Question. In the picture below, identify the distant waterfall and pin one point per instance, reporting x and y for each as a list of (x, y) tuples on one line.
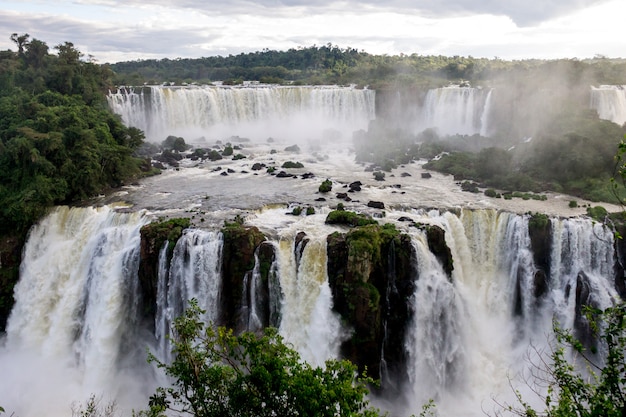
[(74, 323), (610, 102), (457, 110), (256, 112)]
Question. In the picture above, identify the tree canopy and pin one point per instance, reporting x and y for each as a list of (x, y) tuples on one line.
[(58, 141), (217, 373)]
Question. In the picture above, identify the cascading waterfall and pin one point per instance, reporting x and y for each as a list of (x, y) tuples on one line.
[(435, 339), (582, 254), (610, 102), (457, 110), (219, 112), (308, 322), (74, 322), (480, 327), (194, 272), (250, 301)]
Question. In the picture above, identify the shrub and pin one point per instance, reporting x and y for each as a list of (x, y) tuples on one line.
[(216, 373), (291, 164), (326, 186)]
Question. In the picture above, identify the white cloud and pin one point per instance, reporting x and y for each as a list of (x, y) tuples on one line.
[(113, 30)]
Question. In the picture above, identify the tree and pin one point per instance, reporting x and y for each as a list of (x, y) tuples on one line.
[(21, 41), (217, 373), (592, 383)]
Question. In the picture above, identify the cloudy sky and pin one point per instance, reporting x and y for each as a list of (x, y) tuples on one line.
[(112, 30)]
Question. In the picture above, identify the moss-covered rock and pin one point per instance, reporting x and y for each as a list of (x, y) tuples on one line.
[(371, 276), (349, 218), (540, 233)]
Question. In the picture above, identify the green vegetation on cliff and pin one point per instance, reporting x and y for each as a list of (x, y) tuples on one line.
[(157, 233)]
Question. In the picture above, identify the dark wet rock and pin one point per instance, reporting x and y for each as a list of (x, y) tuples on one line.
[(426, 175), (153, 238), (240, 244), (10, 259), (293, 148), (355, 186), (436, 237), (258, 166), (376, 204)]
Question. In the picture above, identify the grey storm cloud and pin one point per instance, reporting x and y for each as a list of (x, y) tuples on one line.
[(521, 12)]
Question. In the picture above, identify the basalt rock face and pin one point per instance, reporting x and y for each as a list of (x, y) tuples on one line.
[(371, 275), (10, 259), (540, 233), (437, 244), (240, 244)]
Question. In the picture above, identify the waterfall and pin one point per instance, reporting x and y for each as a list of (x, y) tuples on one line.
[(475, 334), (73, 329), (249, 300), (457, 110), (435, 340), (610, 102), (257, 112), (308, 322), (194, 272)]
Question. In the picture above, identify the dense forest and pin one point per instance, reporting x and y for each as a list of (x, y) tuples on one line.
[(59, 143), (330, 64)]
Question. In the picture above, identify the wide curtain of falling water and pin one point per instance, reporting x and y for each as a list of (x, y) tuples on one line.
[(73, 330)]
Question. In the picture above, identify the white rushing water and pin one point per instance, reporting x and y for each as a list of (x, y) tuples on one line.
[(73, 329), (194, 272), (457, 110), (610, 102), (76, 319), (218, 112)]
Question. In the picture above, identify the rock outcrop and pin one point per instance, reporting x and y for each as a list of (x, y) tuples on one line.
[(10, 259), (370, 272)]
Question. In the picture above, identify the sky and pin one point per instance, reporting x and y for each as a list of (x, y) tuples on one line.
[(126, 30)]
